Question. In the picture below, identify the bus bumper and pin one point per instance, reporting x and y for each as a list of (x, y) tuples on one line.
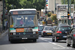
[(23, 37)]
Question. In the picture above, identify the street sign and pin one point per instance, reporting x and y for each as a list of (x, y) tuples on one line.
[(46, 2)]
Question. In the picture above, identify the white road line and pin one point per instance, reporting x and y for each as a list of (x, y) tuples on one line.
[(58, 45), (52, 43), (24, 47)]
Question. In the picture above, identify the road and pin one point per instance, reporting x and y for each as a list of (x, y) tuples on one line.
[(43, 43)]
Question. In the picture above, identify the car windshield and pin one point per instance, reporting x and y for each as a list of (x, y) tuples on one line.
[(64, 28), (48, 28), (23, 20), (41, 27)]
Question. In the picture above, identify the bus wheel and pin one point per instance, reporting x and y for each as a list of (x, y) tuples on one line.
[(9, 39), (34, 40)]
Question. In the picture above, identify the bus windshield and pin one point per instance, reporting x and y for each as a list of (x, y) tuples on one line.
[(23, 20)]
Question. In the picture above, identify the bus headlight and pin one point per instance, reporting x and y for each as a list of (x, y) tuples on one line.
[(33, 32), (14, 33)]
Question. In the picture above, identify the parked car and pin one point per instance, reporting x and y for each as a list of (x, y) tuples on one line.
[(71, 38), (61, 32), (40, 29), (47, 31)]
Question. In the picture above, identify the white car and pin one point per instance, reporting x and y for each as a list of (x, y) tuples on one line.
[(47, 31)]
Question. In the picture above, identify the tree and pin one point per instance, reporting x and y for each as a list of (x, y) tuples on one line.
[(38, 4), (49, 14), (53, 17), (66, 1)]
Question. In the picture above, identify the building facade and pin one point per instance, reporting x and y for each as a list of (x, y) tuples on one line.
[(52, 4)]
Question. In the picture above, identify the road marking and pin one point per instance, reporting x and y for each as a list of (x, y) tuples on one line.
[(58, 45), (24, 47), (62, 47)]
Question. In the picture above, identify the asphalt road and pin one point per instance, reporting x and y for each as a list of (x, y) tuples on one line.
[(43, 43)]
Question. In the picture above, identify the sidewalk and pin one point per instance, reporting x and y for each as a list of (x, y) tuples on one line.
[(2, 33)]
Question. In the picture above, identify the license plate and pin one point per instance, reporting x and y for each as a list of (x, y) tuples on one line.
[(48, 33), (24, 38), (64, 36)]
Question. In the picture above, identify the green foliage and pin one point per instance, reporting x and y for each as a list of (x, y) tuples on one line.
[(49, 14), (38, 4), (53, 17), (66, 1)]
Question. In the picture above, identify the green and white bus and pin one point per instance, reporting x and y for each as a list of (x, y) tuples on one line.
[(23, 24)]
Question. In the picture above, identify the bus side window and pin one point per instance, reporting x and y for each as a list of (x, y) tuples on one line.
[(11, 21)]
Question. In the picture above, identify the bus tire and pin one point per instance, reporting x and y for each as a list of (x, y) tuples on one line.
[(42, 35), (34, 40), (9, 39)]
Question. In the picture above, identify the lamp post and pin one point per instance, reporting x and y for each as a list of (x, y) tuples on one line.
[(3, 16), (68, 12), (45, 7), (55, 6)]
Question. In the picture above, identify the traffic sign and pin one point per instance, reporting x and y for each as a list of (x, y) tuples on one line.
[(46, 4)]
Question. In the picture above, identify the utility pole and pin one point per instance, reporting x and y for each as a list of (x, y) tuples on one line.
[(68, 13), (55, 6), (46, 10), (3, 16), (46, 6)]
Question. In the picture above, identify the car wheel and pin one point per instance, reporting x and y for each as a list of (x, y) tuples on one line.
[(53, 40), (42, 35), (56, 40), (34, 40), (11, 41), (72, 43)]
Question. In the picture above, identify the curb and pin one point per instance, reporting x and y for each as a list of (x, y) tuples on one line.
[(3, 33)]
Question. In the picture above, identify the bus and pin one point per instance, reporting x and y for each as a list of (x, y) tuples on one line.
[(23, 25)]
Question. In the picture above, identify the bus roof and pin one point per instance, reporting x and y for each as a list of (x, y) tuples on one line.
[(20, 9)]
